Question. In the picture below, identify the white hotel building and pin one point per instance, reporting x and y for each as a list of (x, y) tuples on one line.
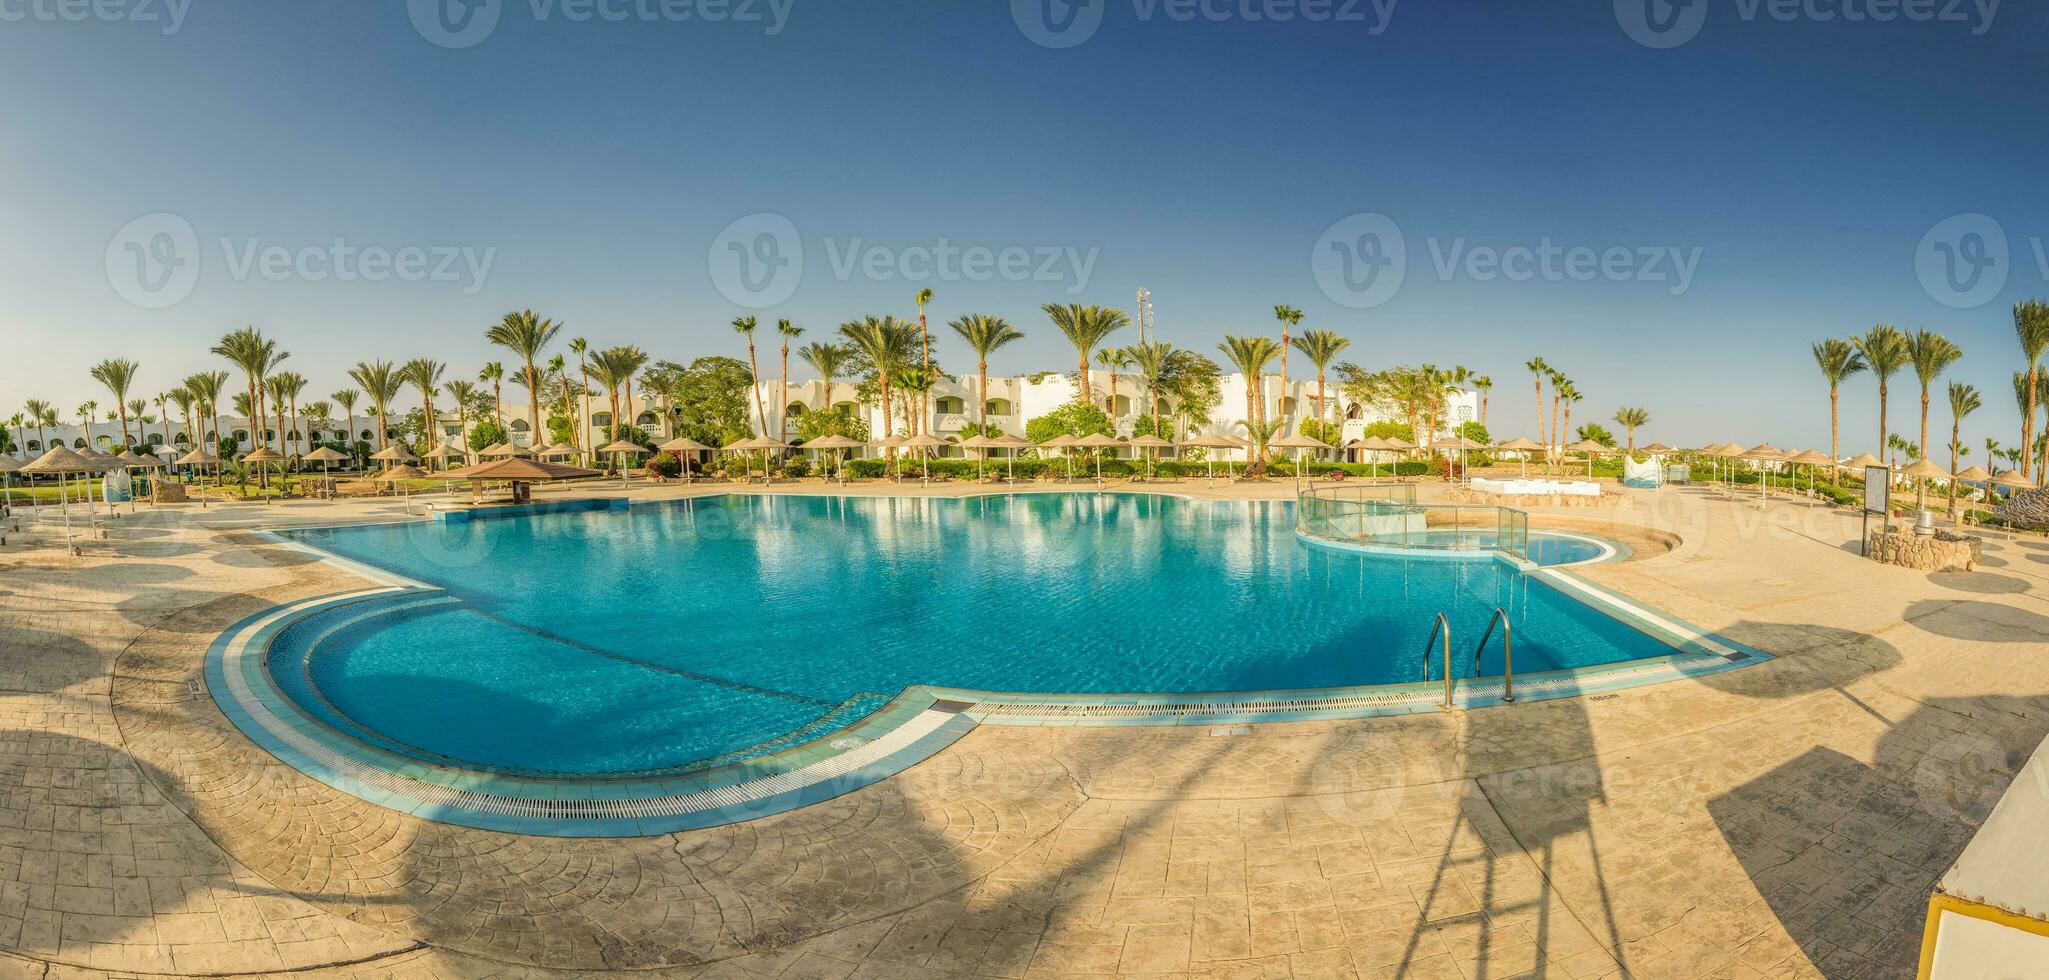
[(1010, 403)]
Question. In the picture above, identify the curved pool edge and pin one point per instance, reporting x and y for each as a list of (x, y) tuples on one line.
[(916, 725)]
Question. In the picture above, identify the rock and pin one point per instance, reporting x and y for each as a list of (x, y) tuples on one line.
[(2028, 509), (1938, 552)]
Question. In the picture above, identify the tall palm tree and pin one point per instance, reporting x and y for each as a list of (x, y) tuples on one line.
[(526, 335), (2031, 328), (464, 394), (829, 360), (286, 388), (1931, 354), (38, 410), (1963, 400), (745, 326), (1153, 359), (1113, 360), (381, 383), (275, 397), (1886, 351), (985, 334), (1251, 355), (425, 374), (924, 338), (1838, 359), (184, 399), (118, 374), (494, 373), (19, 423), (581, 347), (1538, 369), (614, 367), (1558, 383), (1630, 419), (1321, 347), (885, 342), (558, 369), (257, 356), (787, 331), (85, 415), (916, 383), (206, 388), (347, 398), (1289, 317), (1085, 327), (1484, 384)]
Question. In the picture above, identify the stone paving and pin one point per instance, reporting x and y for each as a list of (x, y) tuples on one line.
[(1788, 819)]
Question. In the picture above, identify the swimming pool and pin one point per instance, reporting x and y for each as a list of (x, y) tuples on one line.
[(669, 637)]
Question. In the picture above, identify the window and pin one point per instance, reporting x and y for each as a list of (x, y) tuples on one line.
[(949, 405), (646, 419), (793, 409), (997, 406), (602, 420)]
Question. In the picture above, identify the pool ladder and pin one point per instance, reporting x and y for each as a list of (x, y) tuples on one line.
[(1443, 626)]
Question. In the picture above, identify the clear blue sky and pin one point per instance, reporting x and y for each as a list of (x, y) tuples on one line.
[(601, 161)]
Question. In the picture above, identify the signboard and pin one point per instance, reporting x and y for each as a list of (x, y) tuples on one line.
[(1877, 490)]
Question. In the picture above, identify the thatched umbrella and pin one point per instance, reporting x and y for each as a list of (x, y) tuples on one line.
[(516, 470), (8, 464), (1214, 441), (889, 445), (1097, 440), (1154, 443), (1010, 444), (503, 450), (1975, 474), (398, 475), (1299, 442), (2011, 479), (678, 446), (1763, 453), (839, 445), (198, 459), (618, 448), (980, 444), (925, 442), (766, 445), (1921, 471), (1062, 442), (325, 457), (1525, 447), (63, 462), (1811, 459)]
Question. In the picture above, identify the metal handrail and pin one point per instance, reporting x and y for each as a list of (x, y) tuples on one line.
[(1507, 653), (1442, 625)]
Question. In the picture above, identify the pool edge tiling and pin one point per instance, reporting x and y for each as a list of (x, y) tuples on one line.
[(918, 723)]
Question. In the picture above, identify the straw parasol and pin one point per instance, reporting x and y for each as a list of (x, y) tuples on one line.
[(324, 456), (1525, 447), (1062, 442), (924, 442), (1214, 441), (1012, 444), (1154, 443), (63, 462), (1658, 449), (8, 464), (1811, 459), (980, 444), (683, 444), (1921, 471), (838, 444), (1589, 449), (1299, 442), (1098, 440), (520, 470), (2011, 479), (503, 450)]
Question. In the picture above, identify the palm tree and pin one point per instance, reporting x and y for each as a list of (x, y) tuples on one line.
[(924, 336), (1085, 327), (1963, 400), (1538, 369), (1261, 433), (85, 414), (118, 375), (558, 368), (984, 334), (1289, 317), (1321, 347), (745, 327), (184, 399), (346, 398), (1558, 384), (788, 330), (1113, 360), (1569, 396), (38, 410), (526, 335), (828, 360), (381, 382), (425, 374), (1251, 355), (1885, 350), (494, 372), (1838, 359), (286, 387), (274, 395), (916, 383), (464, 394), (1483, 384), (614, 368), (2031, 328), (206, 388), (256, 356), (1630, 419), (1931, 354), (885, 342), (1153, 360), (581, 347)]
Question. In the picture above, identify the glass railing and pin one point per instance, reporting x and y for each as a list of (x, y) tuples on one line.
[(1388, 516)]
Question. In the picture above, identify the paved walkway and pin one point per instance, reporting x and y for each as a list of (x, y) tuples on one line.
[(1787, 819)]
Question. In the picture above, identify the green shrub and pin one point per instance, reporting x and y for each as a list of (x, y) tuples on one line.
[(796, 466), (663, 464)]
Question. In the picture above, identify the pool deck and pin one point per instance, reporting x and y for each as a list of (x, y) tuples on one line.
[(1788, 819)]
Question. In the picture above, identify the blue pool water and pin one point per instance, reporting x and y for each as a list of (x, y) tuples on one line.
[(661, 637)]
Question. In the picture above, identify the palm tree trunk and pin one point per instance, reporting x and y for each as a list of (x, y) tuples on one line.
[(782, 412), (754, 379), (1924, 421), (1540, 411), (982, 397), (1087, 394), (533, 401), (2028, 424), (1835, 441), (1955, 432)]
